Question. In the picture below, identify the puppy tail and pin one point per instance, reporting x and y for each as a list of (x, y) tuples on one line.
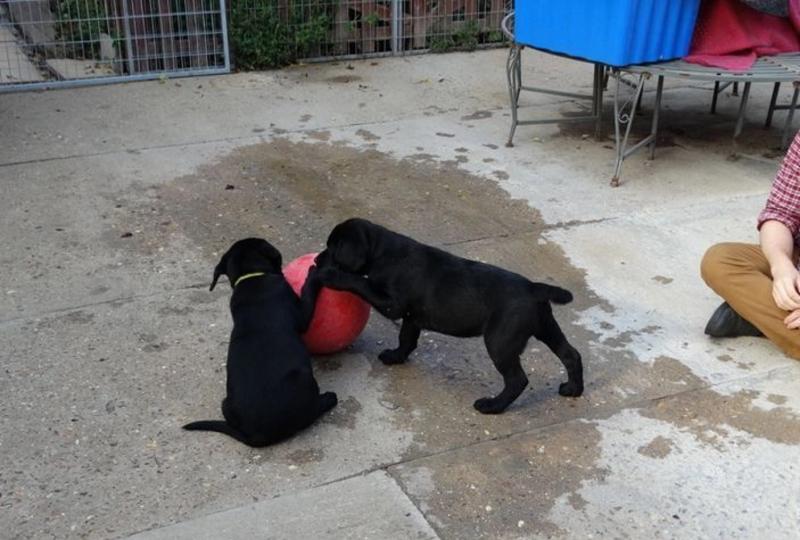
[(220, 426), (554, 294)]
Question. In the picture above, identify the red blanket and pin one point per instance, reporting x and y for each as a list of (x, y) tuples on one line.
[(731, 35)]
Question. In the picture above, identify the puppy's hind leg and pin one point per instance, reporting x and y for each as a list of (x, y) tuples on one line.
[(548, 332), (505, 341), (409, 335)]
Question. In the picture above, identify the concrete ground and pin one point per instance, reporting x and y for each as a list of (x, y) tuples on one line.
[(117, 201)]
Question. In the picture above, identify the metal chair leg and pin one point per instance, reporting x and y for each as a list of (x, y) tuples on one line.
[(775, 90), (788, 125), (656, 110), (742, 108), (597, 103), (622, 117), (714, 98), (514, 76)]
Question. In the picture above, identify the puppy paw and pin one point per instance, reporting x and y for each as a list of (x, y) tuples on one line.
[(489, 406), (570, 389), (392, 356), (329, 276), (327, 401)]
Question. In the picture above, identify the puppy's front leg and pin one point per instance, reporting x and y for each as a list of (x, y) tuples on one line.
[(363, 287), (308, 298), (409, 335)]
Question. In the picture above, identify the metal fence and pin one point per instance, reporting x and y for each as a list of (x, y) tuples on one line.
[(324, 29), (67, 42), (47, 43)]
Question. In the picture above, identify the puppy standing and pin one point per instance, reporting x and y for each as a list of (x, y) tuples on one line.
[(432, 289), (271, 390)]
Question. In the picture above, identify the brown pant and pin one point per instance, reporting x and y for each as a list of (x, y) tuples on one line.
[(740, 274)]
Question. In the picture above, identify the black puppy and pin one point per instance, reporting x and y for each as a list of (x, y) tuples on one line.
[(271, 389), (431, 289)]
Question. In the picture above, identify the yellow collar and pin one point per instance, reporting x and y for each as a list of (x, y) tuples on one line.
[(247, 276)]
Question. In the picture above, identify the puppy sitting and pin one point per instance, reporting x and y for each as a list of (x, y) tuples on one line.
[(431, 289), (271, 389)]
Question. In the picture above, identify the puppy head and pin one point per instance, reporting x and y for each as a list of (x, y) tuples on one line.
[(245, 257), (348, 247)]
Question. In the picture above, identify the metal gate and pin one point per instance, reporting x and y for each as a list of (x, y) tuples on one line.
[(49, 43), (55, 43)]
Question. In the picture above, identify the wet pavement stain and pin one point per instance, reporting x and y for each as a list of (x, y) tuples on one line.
[(367, 135), (658, 448), (345, 414), (776, 399), (626, 337), (577, 501), (478, 115), (485, 491), (422, 156), (305, 455), (319, 135), (293, 193), (327, 363), (343, 79), (709, 415)]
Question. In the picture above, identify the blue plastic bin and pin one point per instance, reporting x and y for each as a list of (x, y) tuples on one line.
[(613, 32)]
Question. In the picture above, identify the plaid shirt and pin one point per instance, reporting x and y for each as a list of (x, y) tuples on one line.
[(783, 203)]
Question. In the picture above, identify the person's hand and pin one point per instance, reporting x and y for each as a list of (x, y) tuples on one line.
[(792, 321), (785, 284)]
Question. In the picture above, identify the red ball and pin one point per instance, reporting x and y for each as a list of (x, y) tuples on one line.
[(339, 316)]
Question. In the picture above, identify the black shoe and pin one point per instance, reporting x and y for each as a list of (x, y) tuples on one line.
[(725, 322)]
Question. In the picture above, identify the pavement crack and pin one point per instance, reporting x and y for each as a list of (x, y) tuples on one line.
[(576, 223), (67, 309), (184, 144)]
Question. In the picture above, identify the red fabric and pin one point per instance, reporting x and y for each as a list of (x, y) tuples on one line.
[(731, 35)]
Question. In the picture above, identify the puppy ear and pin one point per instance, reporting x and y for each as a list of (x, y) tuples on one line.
[(273, 255), (351, 250), (221, 268)]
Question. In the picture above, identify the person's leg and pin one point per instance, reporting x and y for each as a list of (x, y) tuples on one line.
[(740, 274)]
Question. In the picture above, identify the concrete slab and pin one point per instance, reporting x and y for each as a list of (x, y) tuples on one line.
[(118, 200), (370, 506)]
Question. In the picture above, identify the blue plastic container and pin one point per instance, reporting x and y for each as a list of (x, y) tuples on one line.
[(613, 32)]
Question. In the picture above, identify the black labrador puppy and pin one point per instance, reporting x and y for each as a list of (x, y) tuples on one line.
[(434, 290), (271, 390)]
